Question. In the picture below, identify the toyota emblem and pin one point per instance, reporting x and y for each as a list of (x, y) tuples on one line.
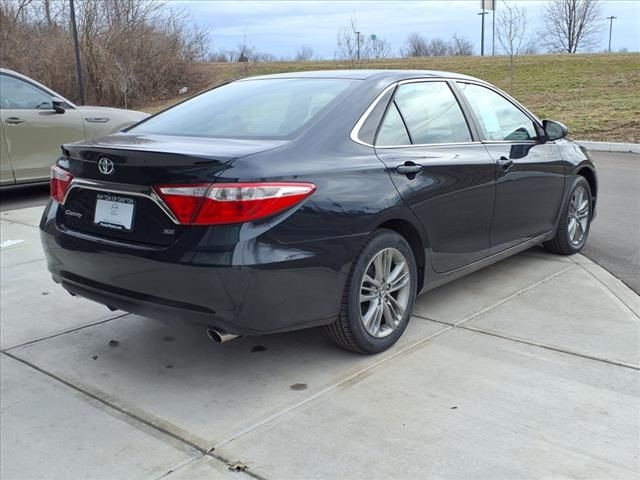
[(105, 166)]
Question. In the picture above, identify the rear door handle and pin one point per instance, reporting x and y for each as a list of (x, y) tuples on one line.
[(14, 121), (505, 163), (409, 168)]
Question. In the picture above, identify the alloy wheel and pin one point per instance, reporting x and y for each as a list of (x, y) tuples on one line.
[(578, 216), (385, 292)]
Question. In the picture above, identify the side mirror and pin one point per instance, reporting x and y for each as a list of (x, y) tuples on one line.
[(554, 130), (58, 105)]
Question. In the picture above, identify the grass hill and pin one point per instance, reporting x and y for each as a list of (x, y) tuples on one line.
[(596, 95)]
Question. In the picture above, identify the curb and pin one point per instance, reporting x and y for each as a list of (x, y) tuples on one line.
[(610, 146)]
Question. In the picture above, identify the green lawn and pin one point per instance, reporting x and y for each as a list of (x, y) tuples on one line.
[(597, 96)]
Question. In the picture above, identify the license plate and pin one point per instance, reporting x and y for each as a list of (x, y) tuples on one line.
[(114, 212)]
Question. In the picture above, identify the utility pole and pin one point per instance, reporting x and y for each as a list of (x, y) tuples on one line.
[(611, 19), (483, 13), (493, 36), (358, 40), (77, 49)]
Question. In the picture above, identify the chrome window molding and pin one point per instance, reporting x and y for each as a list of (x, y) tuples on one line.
[(145, 192), (423, 145), (507, 97), (355, 131), (358, 126)]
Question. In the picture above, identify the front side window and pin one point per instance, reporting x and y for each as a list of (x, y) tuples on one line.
[(500, 120), (20, 95), (271, 108), (431, 113)]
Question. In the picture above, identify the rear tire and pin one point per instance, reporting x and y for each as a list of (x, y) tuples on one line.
[(575, 220), (379, 295)]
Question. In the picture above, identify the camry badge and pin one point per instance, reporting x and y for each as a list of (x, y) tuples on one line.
[(105, 166)]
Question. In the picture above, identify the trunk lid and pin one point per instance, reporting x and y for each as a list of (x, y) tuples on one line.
[(121, 191), (153, 159)]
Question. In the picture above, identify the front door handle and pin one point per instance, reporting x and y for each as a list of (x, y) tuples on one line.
[(505, 163), (14, 121), (409, 168)]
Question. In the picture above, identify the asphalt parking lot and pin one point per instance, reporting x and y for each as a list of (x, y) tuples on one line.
[(527, 369)]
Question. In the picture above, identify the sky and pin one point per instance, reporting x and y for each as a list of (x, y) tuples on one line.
[(281, 27)]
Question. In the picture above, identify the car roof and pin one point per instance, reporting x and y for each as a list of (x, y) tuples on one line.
[(357, 74)]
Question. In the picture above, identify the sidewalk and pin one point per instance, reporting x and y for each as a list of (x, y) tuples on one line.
[(527, 369)]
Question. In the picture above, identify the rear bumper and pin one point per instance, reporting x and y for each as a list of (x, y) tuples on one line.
[(254, 285)]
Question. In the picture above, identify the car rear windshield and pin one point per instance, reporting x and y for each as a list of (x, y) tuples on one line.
[(251, 109)]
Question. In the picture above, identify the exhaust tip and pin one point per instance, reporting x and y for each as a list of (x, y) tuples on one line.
[(220, 336)]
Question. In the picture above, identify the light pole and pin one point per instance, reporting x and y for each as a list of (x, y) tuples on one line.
[(482, 13), (72, 13), (358, 41), (493, 35), (611, 18)]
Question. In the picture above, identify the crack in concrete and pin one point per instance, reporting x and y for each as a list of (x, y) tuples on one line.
[(71, 330), (109, 404)]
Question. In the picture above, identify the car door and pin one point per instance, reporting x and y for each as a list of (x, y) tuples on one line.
[(6, 170), (445, 177), (529, 173), (33, 130)]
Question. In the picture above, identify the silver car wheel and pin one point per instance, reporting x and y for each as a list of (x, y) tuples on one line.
[(385, 292), (578, 216)]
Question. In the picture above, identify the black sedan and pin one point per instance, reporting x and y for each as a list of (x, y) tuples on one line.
[(309, 199)]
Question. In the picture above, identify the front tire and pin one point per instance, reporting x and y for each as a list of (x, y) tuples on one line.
[(575, 220), (379, 295)]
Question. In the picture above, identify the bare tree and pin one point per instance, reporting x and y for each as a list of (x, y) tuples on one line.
[(438, 47), (349, 44), (133, 51), (415, 46), (571, 25), (460, 46), (244, 51), (125, 80), (512, 22), (378, 48), (304, 53)]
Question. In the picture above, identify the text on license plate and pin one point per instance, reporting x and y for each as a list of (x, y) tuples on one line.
[(113, 211)]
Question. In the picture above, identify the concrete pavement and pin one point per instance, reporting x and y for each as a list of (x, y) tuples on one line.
[(527, 369)]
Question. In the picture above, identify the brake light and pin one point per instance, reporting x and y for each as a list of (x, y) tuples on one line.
[(224, 203), (59, 183)]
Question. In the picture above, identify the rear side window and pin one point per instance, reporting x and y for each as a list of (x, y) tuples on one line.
[(500, 120), (431, 113), (252, 109), (392, 131)]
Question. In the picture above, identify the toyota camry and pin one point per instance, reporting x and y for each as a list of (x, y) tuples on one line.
[(298, 200)]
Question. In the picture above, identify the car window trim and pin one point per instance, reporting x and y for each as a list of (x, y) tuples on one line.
[(437, 79), (355, 131), (470, 125), (537, 124), (50, 93)]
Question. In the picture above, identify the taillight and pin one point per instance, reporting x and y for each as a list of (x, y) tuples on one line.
[(223, 203), (59, 183)]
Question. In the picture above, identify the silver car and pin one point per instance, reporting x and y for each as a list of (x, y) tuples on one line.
[(35, 121)]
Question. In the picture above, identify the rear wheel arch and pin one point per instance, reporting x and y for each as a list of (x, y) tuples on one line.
[(412, 236), (590, 177)]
